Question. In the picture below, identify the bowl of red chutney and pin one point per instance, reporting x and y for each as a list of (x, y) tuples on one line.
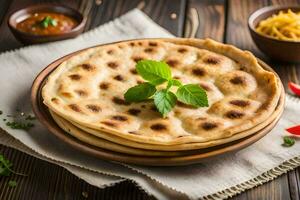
[(46, 23)]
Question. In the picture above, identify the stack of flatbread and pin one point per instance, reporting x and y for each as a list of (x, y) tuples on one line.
[(85, 96)]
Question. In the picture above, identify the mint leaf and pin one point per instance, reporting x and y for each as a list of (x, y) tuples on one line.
[(153, 71), (157, 73), (164, 101), (140, 92), (192, 94), (174, 82)]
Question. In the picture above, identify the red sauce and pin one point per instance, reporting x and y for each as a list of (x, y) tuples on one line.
[(47, 24)]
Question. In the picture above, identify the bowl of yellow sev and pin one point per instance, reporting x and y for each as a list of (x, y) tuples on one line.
[(276, 32)]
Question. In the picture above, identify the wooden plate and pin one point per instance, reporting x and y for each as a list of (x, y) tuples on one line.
[(41, 112)]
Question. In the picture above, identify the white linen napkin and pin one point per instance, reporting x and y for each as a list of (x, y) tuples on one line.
[(218, 178)]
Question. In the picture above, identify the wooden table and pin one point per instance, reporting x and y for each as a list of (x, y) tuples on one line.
[(221, 20)]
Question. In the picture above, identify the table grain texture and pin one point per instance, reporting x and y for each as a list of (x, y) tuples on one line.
[(222, 20)]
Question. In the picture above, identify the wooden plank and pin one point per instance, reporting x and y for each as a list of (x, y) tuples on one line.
[(293, 181), (3, 9), (159, 10), (48, 181), (237, 32), (211, 18)]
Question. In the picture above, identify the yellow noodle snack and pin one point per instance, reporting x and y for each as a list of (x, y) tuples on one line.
[(282, 26)]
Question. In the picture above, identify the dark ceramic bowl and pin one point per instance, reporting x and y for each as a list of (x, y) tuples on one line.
[(287, 51), (27, 38)]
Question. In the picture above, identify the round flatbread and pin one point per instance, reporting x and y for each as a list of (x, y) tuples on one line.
[(179, 147), (88, 89), (105, 144)]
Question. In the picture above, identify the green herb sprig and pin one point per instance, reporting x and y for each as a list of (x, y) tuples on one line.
[(48, 21), (6, 170), (288, 141), (20, 125), (20, 120), (5, 167), (157, 73), (12, 183)]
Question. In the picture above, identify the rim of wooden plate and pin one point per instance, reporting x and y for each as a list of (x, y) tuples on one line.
[(45, 118)]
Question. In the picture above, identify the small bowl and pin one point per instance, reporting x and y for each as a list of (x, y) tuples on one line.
[(287, 51), (27, 38)]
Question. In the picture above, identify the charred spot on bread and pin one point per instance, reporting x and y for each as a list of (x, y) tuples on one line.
[(237, 80), (240, 103), (134, 111), (104, 86), (233, 114), (119, 77), (208, 125), (153, 108), (107, 123), (120, 101), (182, 50), (172, 62), (243, 68), (133, 71), (93, 108), (87, 67), (55, 100), (198, 72), (111, 51), (119, 118), (67, 94), (177, 112), (137, 58), (75, 107), (212, 60), (153, 44), (112, 64), (149, 50), (75, 77), (158, 127)]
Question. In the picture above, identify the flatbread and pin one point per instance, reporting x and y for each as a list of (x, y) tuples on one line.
[(105, 144), (180, 147), (88, 89)]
